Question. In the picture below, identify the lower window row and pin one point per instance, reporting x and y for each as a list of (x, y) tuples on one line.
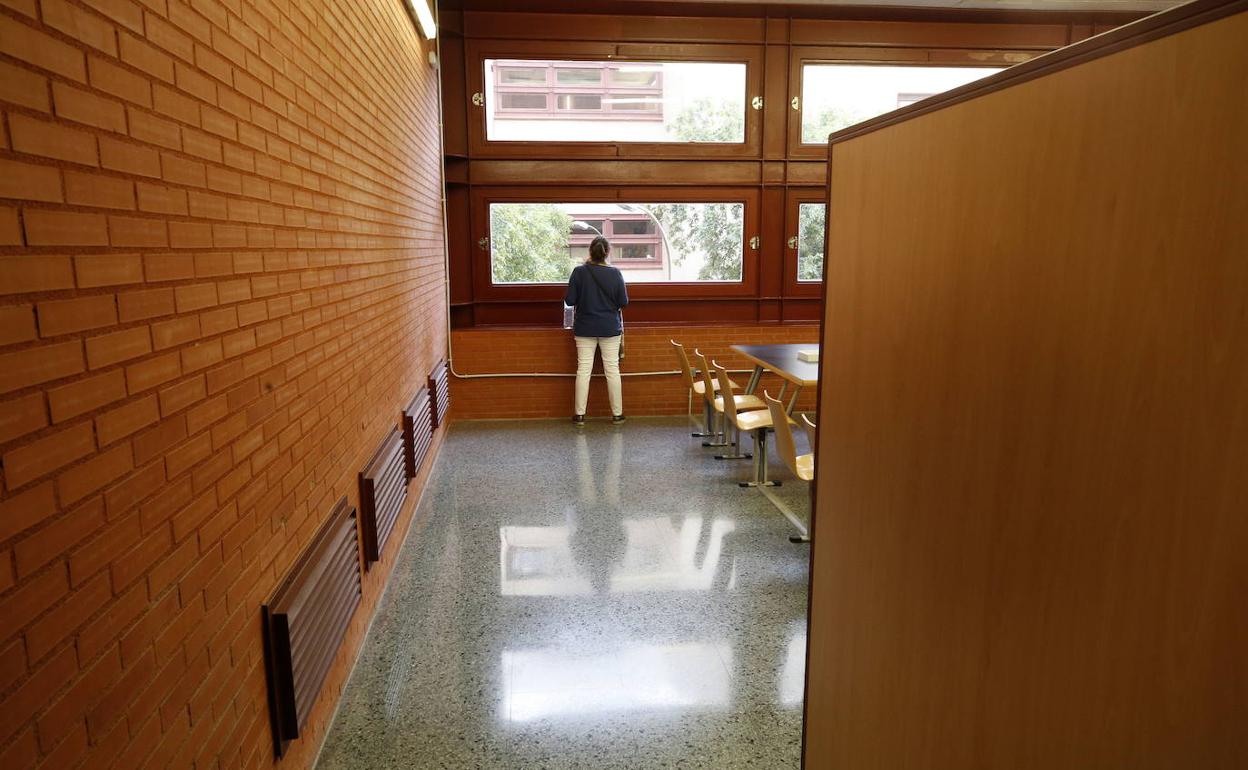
[(540, 243)]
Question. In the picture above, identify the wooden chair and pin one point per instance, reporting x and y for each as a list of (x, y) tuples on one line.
[(757, 422), (802, 466), (716, 402), (695, 384), (810, 432)]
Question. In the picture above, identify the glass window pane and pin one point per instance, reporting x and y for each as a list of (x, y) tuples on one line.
[(578, 101), (635, 76), (522, 76), (636, 102), (835, 96), (810, 232), (570, 76), (634, 251), (522, 101), (634, 227), (683, 242)]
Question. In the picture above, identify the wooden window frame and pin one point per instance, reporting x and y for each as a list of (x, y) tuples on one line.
[(882, 57), (485, 290), (477, 51), (793, 199)]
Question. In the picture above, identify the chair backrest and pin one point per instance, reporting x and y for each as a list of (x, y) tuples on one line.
[(725, 390), (810, 432), (708, 391), (785, 447), (686, 370)]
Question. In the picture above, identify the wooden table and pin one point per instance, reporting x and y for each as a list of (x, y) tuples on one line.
[(783, 361)]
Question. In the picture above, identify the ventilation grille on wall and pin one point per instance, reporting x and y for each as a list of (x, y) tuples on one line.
[(383, 488), (440, 392), (306, 619), (417, 432)]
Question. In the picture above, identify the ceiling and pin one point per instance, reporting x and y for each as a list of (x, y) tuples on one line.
[(1000, 5)]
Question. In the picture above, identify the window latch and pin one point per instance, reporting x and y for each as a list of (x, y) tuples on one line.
[(478, 99), (484, 243), (796, 103), (757, 102), (754, 243), (793, 243)]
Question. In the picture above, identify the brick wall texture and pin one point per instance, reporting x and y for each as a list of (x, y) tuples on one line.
[(648, 349), (221, 277)]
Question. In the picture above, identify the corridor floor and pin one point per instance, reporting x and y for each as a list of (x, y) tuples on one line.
[(602, 597)]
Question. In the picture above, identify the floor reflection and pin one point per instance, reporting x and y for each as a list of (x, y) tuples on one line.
[(557, 682), (602, 599)]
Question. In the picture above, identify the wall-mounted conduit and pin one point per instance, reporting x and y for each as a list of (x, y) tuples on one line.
[(306, 619)]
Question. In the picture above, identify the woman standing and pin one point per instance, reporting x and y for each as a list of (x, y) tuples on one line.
[(597, 292)]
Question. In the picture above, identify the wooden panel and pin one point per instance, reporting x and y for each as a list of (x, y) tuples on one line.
[(306, 619), (538, 26), (383, 490), (439, 393), (540, 173), (1029, 546), (906, 33), (454, 97), (417, 432)]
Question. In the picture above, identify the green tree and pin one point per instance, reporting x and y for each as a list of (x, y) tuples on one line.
[(818, 122), (713, 231), (810, 221), (529, 243)]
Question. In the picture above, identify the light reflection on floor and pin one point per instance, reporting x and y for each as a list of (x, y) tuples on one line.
[(603, 598)]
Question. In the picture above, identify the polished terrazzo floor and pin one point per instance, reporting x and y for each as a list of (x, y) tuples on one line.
[(603, 597)]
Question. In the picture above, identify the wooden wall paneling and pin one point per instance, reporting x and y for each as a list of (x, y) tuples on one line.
[(639, 28), (455, 95), (925, 35), (1030, 531), (776, 109), (807, 173), (562, 173), (459, 243), (771, 232)]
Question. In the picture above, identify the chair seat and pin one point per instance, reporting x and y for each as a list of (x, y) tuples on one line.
[(806, 467), (748, 421), (700, 387), (742, 403)]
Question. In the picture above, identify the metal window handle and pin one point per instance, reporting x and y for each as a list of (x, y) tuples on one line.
[(757, 102), (793, 243), (796, 103), (484, 243), (478, 99), (754, 243)]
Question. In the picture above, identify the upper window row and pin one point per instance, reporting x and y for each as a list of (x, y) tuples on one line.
[(540, 100)]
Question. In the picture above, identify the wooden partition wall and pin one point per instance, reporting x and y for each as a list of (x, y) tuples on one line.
[(1031, 531)]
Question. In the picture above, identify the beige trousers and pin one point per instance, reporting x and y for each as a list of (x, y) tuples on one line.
[(610, 347)]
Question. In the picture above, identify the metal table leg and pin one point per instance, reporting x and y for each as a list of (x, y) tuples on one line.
[(754, 378)]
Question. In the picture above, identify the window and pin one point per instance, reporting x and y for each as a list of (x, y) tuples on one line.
[(810, 231), (835, 96), (651, 242), (615, 101)]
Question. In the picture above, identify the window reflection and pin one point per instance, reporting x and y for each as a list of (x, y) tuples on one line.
[(558, 682)]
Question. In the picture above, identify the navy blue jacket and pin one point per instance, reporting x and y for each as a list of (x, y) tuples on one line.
[(597, 312)]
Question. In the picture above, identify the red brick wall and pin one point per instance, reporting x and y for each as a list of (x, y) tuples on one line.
[(648, 349), (220, 279)]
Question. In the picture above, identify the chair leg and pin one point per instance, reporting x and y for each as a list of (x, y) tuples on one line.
[(717, 436), (707, 428), (737, 454), (760, 462)]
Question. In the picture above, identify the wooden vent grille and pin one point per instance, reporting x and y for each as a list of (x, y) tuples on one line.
[(383, 488), (417, 432), (440, 392), (306, 619)]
